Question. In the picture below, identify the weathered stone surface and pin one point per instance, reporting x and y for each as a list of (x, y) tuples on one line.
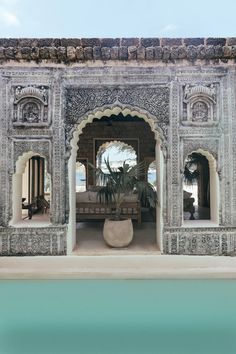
[(192, 52), (219, 53), (150, 42), (61, 54), (44, 53), (105, 53), (123, 53), (132, 53), (141, 53), (164, 49), (70, 42), (193, 41), (88, 53), (182, 52), (46, 42), (210, 52), (215, 41), (10, 53), (115, 53), (2, 54), (79, 53), (26, 53), (53, 53), (8, 42), (25, 42), (233, 51), (166, 53), (171, 42), (127, 42), (174, 53), (110, 42), (90, 42), (158, 52), (70, 51), (149, 53), (231, 41), (35, 53), (96, 52)]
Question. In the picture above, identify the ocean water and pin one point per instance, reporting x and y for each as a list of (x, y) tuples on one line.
[(118, 316)]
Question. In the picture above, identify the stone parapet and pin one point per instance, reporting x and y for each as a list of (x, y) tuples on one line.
[(200, 241), (70, 50), (32, 241)]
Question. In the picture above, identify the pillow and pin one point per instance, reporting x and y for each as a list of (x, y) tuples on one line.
[(132, 198), (82, 197), (93, 197)]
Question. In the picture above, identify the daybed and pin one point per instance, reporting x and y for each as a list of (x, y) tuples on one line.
[(89, 207)]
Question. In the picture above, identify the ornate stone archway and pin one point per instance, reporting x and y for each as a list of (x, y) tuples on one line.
[(75, 124)]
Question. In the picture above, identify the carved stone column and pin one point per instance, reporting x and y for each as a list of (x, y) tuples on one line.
[(58, 153), (4, 154), (175, 214)]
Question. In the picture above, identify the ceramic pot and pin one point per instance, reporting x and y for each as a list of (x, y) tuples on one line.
[(118, 233)]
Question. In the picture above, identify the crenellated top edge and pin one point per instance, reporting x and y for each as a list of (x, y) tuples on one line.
[(69, 50)]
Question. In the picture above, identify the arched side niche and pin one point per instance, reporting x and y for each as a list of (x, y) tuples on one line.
[(30, 106), (17, 188), (214, 186), (104, 147), (74, 134)]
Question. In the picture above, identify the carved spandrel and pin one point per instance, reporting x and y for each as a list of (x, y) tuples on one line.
[(80, 101)]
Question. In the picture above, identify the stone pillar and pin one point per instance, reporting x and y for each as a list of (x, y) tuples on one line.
[(174, 181), (58, 154), (4, 157)]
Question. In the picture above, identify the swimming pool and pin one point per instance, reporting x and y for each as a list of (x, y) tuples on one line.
[(118, 316)]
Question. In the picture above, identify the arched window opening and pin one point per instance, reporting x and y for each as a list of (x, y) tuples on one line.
[(31, 190), (200, 188), (81, 177), (117, 152)]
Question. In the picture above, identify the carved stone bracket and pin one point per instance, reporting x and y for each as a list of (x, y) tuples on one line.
[(82, 101)]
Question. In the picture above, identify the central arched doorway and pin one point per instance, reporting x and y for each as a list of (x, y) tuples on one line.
[(110, 115)]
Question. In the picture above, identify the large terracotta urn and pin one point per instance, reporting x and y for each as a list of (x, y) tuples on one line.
[(118, 233)]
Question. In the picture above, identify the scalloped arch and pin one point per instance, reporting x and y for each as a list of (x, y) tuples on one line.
[(22, 160), (107, 111), (209, 156)]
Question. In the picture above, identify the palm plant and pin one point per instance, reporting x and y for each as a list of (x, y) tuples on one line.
[(118, 182), (191, 172)]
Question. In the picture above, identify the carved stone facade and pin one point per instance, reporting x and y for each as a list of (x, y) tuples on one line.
[(189, 107)]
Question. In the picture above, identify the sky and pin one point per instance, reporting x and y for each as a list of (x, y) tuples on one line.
[(117, 18)]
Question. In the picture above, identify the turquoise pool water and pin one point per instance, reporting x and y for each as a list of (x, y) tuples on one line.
[(118, 316)]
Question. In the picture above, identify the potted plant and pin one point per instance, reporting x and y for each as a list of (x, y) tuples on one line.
[(116, 184)]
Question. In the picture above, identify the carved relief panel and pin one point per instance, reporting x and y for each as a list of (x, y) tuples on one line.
[(30, 106), (199, 105)]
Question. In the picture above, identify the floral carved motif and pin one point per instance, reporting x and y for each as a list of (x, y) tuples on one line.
[(81, 101)]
